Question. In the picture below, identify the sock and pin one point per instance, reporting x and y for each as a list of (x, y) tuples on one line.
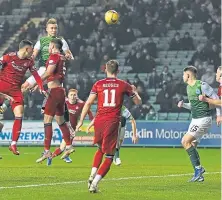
[(48, 135), (17, 126), (98, 157), (63, 145), (97, 179), (93, 172), (57, 152), (194, 156), (117, 153), (103, 170), (66, 133)]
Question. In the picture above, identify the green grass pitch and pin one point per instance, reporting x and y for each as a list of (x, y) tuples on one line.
[(144, 174)]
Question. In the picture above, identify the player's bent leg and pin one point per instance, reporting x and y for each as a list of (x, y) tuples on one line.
[(17, 126), (187, 142), (66, 135), (116, 159), (102, 171), (47, 141), (97, 160)]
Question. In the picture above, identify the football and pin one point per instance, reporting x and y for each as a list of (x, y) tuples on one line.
[(111, 17)]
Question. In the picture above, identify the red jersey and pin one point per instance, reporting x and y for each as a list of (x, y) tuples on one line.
[(219, 91), (75, 111), (14, 68), (59, 73), (110, 93)]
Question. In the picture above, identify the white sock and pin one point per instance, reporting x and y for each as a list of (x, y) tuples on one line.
[(46, 151), (96, 179), (13, 143), (93, 172), (68, 146)]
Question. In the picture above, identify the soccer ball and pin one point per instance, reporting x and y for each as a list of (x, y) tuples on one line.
[(111, 17)]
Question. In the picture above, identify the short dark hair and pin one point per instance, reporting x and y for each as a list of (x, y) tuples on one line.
[(58, 43), (191, 69), (112, 66), (24, 43)]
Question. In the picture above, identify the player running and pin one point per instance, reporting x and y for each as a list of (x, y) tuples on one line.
[(74, 106), (54, 104), (201, 118), (125, 115), (216, 102), (110, 93), (13, 68), (41, 48)]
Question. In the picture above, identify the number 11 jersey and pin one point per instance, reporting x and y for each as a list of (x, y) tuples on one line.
[(110, 94)]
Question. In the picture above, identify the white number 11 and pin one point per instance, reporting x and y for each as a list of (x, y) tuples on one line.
[(106, 98)]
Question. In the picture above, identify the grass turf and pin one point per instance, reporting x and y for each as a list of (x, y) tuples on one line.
[(136, 162)]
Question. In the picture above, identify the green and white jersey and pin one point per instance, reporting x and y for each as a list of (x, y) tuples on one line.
[(198, 108), (126, 113), (43, 46)]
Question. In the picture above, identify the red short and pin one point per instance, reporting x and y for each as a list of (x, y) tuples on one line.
[(55, 103), (106, 134), (13, 91)]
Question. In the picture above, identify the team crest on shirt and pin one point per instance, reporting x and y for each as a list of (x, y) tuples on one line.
[(198, 91), (51, 61), (77, 107)]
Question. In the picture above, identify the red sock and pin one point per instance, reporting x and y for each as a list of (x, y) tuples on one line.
[(98, 157), (57, 152), (17, 126), (104, 168), (66, 133), (48, 135)]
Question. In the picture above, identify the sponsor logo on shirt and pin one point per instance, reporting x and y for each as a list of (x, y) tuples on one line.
[(19, 68)]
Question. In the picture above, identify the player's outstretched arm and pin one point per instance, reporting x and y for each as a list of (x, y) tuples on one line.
[(134, 138), (209, 91), (216, 102), (136, 98), (85, 110), (36, 50), (90, 125), (181, 104)]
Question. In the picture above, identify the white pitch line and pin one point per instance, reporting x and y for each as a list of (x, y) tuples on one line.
[(111, 179)]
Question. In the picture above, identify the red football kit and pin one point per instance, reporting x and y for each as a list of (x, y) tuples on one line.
[(12, 75), (54, 104), (110, 93), (75, 111)]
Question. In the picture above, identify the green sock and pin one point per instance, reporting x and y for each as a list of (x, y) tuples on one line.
[(194, 156), (117, 153)]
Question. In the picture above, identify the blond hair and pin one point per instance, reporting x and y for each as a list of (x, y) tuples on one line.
[(51, 21), (73, 90)]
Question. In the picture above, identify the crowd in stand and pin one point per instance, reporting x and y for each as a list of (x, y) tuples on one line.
[(93, 43)]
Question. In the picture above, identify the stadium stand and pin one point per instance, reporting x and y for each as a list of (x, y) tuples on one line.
[(150, 36)]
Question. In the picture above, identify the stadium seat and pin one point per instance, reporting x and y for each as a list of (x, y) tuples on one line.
[(162, 116), (173, 116), (184, 116)]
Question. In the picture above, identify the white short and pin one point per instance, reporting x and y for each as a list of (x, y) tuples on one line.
[(120, 136), (199, 127), (31, 79)]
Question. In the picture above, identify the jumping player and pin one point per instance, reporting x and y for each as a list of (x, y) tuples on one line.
[(13, 68), (54, 104), (201, 118), (110, 93), (41, 48), (74, 106), (125, 115)]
